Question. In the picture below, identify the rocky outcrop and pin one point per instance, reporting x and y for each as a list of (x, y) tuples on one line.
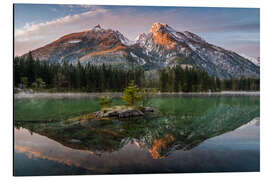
[(148, 109), (122, 112), (118, 112), (130, 113)]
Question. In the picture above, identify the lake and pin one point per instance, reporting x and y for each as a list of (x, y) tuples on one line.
[(194, 133)]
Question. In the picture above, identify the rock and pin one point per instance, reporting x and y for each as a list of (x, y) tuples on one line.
[(130, 113), (102, 114), (122, 112), (148, 109), (99, 114), (115, 112), (110, 114), (140, 113)]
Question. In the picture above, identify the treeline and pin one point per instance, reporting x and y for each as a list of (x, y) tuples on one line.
[(72, 77), (178, 79), (242, 84), (30, 73)]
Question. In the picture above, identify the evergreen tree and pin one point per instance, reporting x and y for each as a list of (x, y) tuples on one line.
[(132, 94), (91, 78)]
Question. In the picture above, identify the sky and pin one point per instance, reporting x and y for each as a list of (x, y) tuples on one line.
[(236, 29)]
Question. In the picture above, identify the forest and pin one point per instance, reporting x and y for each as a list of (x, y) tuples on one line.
[(63, 77)]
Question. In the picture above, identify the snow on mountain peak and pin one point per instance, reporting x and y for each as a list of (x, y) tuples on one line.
[(138, 37), (193, 36), (163, 46), (116, 33), (255, 61), (96, 28), (125, 40)]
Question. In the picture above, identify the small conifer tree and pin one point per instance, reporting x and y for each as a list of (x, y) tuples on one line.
[(132, 94)]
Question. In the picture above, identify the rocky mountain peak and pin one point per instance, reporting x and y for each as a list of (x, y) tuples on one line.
[(161, 35), (168, 47), (156, 27), (163, 46), (96, 27)]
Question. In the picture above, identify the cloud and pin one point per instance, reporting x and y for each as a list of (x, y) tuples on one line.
[(127, 20), (32, 36), (64, 21), (131, 21)]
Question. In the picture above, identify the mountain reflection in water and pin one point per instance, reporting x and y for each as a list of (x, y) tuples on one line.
[(144, 145)]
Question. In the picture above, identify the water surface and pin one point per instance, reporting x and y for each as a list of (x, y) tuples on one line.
[(194, 134)]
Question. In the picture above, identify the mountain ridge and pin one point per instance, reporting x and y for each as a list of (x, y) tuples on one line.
[(213, 59), (161, 47)]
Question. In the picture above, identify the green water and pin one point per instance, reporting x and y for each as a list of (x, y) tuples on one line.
[(184, 124), (62, 109)]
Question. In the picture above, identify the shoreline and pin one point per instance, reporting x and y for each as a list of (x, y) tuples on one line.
[(61, 95)]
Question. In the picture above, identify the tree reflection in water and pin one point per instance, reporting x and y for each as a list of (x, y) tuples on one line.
[(183, 125)]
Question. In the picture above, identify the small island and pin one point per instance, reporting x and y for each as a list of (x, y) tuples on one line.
[(135, 99)]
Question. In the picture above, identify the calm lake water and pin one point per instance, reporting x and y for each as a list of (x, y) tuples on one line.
[(193, 134)]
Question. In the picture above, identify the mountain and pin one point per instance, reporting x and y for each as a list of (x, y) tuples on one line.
[(255, 61), (168, 47), (163, 46), (96, 45)]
